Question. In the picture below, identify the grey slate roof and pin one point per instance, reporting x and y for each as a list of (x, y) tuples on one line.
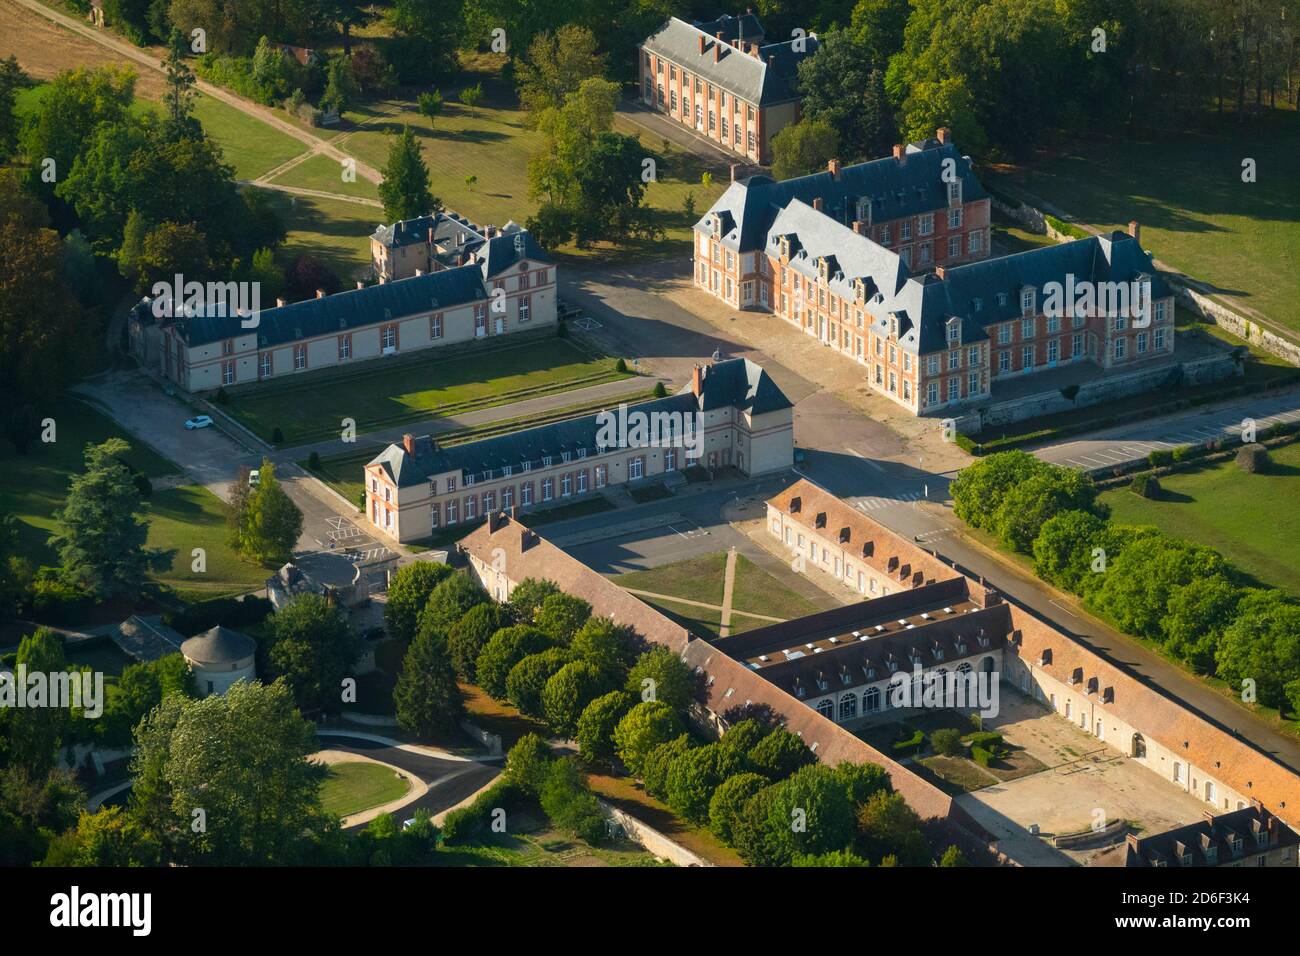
[(504, 250), (737, 382), (748, 77), (147, 638), (218, 645), (896, 189), (346, 310)]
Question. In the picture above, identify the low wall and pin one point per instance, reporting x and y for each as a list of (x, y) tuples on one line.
[(1114, 386), (492, 742), (650, 838), (1234, 322)]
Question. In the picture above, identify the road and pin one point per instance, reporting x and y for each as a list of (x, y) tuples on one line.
[(1124, 443)]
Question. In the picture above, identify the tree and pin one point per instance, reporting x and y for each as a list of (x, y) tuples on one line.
[(1063, 548), (728, 803), (877, 27), (178, 98), (655, 766), (953, 857), (527, 597), (472, 96), (469, 635), (836, 858), (862, 781), (804, 147), (507, 648), (240, 763), (692, 778), (646, 726), (312, 649), (265, 523), (34, 733), (1196, 616), (405, 187), (979, 488), (846, 89), (569, 804), (595, 733), (809, 812), (750, 833), (659, 674), (561, 616), (270, 66), (887, 826), (450, 601), (1048, 492), (426, 38), (15, 570), (1263, 645), (780, 754), (557, 63), (1139, 582), (426, 696), (306, 275), (605, 644), (340, 86), (101, 540), (430, 105), (408, 593), (44, 345), (527, 763), (567, 694), (12, 79), (106, 838), (527, 679), (139, 690)]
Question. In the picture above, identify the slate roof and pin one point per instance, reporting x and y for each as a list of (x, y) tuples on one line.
[(1215, 833), (445, 226), (352, 309), (737, 382), (508, 248), (747, 76), (218, 645), (147, 638), (896, 189)]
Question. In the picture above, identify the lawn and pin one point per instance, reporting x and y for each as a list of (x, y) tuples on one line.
[(334, 231), (254, 148), (695, 579), (531, 843), (1196, 213), (34, 486), (376, 394), (188, 517), (360, 785), (760, 592), (1241, 515), (326, 174)]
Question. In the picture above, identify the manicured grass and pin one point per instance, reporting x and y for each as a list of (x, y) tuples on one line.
[(759, 592), (957, 774), (353, 787), (701, 621), (1247, 518), (188, 517), (33, 486), (1195, 211), (541, 847), (376, 394), (254, 148), (695, 579), (326, 174), (334, 231)]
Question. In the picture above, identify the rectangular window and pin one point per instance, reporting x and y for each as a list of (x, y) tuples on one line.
[(1142, 343), (973, 355), (507, 498), (471, 508), (480, 320), (954, 389), (954, 246), (228, 373), (974, 241), (582, 482), (905, 231), (1027, 302), (388, 337), (1004, 361), (345, 347), (526, 493), (1027, 329), (925, 224), (1076, 346), (435, 327), (1053, 350), (264, 364), (1004, 334), (1120, 346), (489, 502), (299, 357), (566, 485), (600, 476), (525, 308), (636, 468), (925, 253), (954, 221), (453, 512), (884, 236), (548, 489), (1027, 357), (932, 393), (1159, 340)]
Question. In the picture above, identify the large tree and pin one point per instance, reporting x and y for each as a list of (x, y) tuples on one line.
[(804, 147), (405, 188), (408, 593), (265, 522), (34, 733), (100, 538), (227, 780), (427, 698), (313, 649), (557, 63), (844, 86)]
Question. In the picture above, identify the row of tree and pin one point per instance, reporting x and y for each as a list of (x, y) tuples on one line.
[(1182, 596)]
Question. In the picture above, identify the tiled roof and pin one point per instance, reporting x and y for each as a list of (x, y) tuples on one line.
[(147, 638), (1209, 842), (737, 382), (219, 645), (353, 309), (747, 75)]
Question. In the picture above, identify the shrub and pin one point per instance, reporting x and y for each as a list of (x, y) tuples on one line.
[(990, 740), (1160, 458), (620, 366), (946, 741), (463, 823), (1182, 453), (1145, 486), (654, 768), (528, 762), (313, 462), (910, 744), (659, 390), (981, 756), (1252, 458)]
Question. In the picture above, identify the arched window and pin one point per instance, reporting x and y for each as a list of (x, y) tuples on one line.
[(964, 668), (848, 707), (1139, 746), (871, 700), (987, 665), (826, 708)]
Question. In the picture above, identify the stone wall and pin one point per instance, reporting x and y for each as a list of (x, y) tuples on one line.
[(650, 838), (1234, 322)]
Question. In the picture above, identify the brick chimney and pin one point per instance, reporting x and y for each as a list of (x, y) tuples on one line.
[(771, 61), (408, 443), (898, 152), (1135, 230), (817, 203), (320, 293), (717, 46), (703, 41), (943, 134), (697, 381), (383, 279), (431, 235), (419, 272), (360, 284), (833, 167), (279, 302), (938, 271), (734, 167)]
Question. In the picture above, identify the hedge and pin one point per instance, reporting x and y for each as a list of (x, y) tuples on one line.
[(910, 745), (464, 822), (1066, 228), (982, 756), (227, 612)]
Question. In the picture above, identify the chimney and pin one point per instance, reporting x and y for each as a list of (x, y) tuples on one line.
[(703, 40), (527, 538), (734, 167), (898, 152), (817, 203), (771, 61), (360, 284), (859, 227), (408, 443), (279, 302), (431, 235), (943, 134), (320, 293), (697, 381), (938, 271), (717, 49), (419, 272), (1135, 230), (494, 521), (383, 279), (833, 167)]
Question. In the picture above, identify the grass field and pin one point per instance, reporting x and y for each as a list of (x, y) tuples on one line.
[(188, 517), (326, 174), (390, 393), (539, 845), (1245, 517), (335, 231), (1195, 211), (251, 146), (360, 785)]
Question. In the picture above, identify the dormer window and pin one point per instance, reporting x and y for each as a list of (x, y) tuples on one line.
[(954, 330), (1002, 298), (954, 193), (821, 268), (1027, 302), (1212, 855)]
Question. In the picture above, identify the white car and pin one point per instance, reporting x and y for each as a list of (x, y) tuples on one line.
[(254, 478), (198, 421)]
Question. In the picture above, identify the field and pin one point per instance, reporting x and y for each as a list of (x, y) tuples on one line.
[(1245, 517), (390, 393), (531, 842), (360, 785), (34, 486), (1195, 211), (326, 174)]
